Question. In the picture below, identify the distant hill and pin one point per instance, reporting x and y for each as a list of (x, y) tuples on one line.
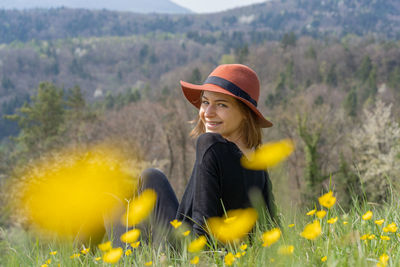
[(139, 6), (255, 23)]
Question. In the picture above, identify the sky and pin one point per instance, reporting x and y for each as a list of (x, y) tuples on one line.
[(209, 6)]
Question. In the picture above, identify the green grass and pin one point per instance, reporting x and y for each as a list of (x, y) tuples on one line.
[(340, 243)]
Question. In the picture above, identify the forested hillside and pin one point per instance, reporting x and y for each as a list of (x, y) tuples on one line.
[(329, 71)]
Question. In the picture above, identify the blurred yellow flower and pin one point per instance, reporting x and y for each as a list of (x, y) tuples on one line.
[(175, 223), (85, 251), (390, 228), (367, 216), (383, 260), (243, 253), (271, 237), (234, 226), (385, 237), (268, 155), (53, 252), (332, 220), (312, 231), (105, 246), (345, 222), (229, 259), (135, 244), (48, 261), (291, 225), (130, 236), (327, 200), (113, 255), (128, 252), (70, 193), (324, 258), (149, 263), (238, 255), (286, 250), (320, 214), (197, 244), (271, 260), (195, 260), (371, 237), (243, 247), (364, 237), (75, 255), (186, 233), (140, 208), (379, 222), (44, 265), (311, 212), (97, 259)]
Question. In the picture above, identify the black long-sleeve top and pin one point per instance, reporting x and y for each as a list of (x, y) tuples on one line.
[(217, 177)]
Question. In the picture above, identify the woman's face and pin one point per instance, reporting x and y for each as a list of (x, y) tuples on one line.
[(221, 114)]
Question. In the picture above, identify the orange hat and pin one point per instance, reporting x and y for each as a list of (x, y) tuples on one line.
[(235, 80)]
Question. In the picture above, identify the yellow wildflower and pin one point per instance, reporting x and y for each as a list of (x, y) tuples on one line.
[(149, 263), (320, 214), (130, 236), (367, 216), (345, 222), (364, 237), (383, 260), (371, 237), (75, 255), (85, 251), (69, 193), (291, 225), (311, 212), (379, 222), (271, 237), (327, 200), (229, 259), (385, 237), (140, 208), (243, 247), (106, 246), (390, 228), (234, 226), (135, 244), (197, 244), (53, 252), (324, 258), (268, 155), (128, 252), (97, 259), (113, 255), (312, 231), (286, 250), (195, 260), (44, 265), (175, 223), (243, 253), (271, 260), (332, 220), (238, 255), (48, 261)]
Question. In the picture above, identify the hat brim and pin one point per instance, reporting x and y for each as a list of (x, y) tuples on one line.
[(192, 92)]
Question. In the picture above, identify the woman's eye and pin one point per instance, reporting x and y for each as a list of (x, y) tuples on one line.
[(204, 102), (222, 105)]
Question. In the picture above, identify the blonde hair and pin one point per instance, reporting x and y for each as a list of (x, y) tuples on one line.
[(250, 128)]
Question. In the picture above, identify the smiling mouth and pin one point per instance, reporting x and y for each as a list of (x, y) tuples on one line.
[(212, 124)]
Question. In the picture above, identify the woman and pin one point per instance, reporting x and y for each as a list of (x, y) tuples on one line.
[(228, 127)]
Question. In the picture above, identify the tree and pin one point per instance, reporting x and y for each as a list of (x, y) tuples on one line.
[(376, 149), (288, 39), (364, 69), (41, 121)]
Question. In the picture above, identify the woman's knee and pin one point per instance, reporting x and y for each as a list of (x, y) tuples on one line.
[(151, 178)]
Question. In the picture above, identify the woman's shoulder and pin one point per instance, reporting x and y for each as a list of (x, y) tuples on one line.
[(213, 140)]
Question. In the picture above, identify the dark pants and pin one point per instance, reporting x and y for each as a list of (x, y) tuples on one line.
[(156, 229)]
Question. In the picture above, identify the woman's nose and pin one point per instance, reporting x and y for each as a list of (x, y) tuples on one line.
[(210, 111)]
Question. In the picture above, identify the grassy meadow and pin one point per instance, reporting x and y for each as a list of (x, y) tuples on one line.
[(364, 236)]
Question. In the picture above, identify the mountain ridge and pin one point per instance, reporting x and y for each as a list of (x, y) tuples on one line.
[(138, 6)]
